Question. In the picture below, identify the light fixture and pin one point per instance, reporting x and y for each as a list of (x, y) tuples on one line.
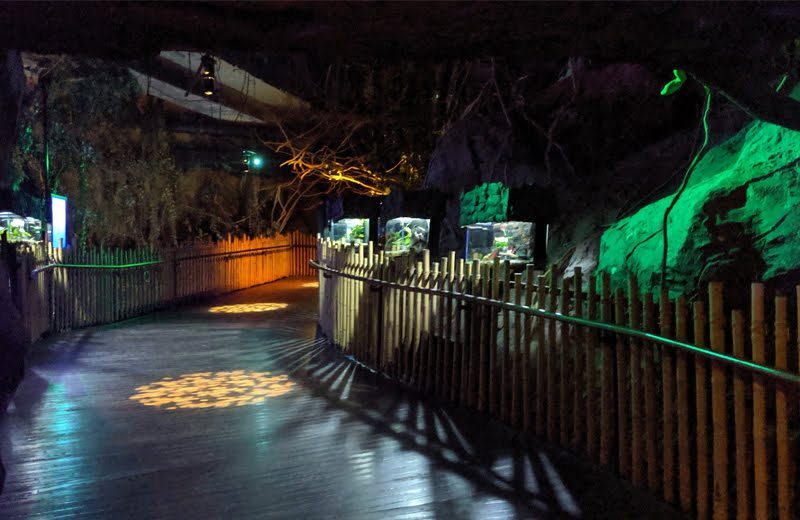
[(207, 71), (251, 160)]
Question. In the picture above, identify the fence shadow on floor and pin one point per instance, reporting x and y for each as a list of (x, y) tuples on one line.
[(538, 480)]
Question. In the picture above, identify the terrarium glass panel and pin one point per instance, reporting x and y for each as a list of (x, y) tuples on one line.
[(14, 227), (350, 230), (406, 234), (506, 240), (34, 227)]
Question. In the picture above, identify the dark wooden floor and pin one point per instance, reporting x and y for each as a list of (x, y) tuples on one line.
[(338, 442)]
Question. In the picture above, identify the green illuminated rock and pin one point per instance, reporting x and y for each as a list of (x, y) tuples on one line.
[(737, 222), (486, 203)]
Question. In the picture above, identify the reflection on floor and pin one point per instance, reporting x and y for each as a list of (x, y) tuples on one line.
[(339, 442)]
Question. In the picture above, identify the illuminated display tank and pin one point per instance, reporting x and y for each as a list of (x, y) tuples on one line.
[(349, 230), (14, 226), (506, 240), (406, 234), (34, 227)]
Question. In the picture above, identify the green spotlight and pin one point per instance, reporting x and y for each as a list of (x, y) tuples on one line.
[(256, 161)]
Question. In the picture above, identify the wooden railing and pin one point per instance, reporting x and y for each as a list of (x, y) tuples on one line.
[(62, 289), (701, 411)]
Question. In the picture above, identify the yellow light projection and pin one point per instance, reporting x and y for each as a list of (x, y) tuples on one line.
[(248, 307), (213, 390), (310, 284)]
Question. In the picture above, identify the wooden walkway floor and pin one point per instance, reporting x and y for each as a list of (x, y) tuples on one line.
[(193, 414)]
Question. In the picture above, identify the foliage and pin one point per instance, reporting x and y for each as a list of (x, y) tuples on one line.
[(15, 234), (358, 232), (109, 154)]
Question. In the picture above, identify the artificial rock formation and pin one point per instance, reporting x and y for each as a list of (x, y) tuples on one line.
[(737, 221)]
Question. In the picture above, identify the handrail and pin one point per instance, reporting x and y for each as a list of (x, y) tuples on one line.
[(787, 378), (93, 266), (140, 264), (233, 253)]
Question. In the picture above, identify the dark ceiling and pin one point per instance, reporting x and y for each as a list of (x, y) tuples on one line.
[(732, 47)]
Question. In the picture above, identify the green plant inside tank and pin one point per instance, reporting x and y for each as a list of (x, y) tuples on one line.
[(358, 232), (15, 234), (400, 238)]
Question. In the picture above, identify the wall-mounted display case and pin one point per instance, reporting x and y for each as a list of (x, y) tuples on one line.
[(351, 230), (407, 234), (506, 240), (14, 227)]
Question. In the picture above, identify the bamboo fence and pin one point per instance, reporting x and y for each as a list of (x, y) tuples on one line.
[(62, 289), (693, 401)]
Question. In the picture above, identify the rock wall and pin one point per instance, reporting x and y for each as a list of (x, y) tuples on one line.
[(736, 222)]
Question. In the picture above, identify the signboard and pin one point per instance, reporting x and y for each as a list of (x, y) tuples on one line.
[(59, 214)]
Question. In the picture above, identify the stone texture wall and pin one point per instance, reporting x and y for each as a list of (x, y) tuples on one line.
[(737, 221)]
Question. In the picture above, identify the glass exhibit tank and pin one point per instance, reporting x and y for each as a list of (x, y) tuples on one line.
[(34, 227), (14, 227), (407, 234), (349, 230), (511, 241)]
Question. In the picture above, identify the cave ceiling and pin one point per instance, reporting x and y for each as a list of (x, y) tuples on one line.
[(736, 49)]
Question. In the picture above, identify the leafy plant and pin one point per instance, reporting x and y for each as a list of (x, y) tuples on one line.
[(15, 234), (358, 232)]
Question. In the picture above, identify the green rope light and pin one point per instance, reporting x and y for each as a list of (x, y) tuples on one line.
[(683, 187), (782, 82), (96, 266)]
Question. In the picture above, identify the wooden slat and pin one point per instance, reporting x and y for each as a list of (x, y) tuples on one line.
[(667, 399), (541, 369), (591, 364), (551, 347), (578, 368), (486, 318), (607, 427), (682, 408), (505, 357), (741, 424), (783, 453), (651, 417), (623, 389), (527, 360), (757, 341), (637, 408), (494, 374), (718, 407), (516, 360), (564, 362), (701, 411)]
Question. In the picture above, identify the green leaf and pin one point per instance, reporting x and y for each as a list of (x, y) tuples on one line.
[(675, 84)]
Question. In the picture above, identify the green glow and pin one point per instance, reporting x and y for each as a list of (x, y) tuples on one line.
[(683, 187), (96, 266), (485, 203), (256, 161), (674, 85), (782, 82)]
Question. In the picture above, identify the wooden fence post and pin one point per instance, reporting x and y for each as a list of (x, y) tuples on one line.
[(667, 399), (718, 406), (701, 410), (591, 368), (607, 379), (761, 476), (783, 453), (637, 423), (651, 419), (623, 389), (682, 407), (578, 367)]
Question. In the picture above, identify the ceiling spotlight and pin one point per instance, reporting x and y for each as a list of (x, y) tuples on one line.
[(250, 160), (207, 71)]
